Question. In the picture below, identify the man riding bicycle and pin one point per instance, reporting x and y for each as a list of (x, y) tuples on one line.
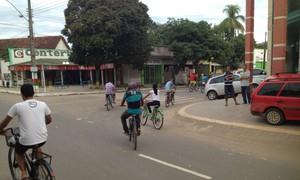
[(110, 89), (170, 88), (134, 100), (193, 79), (33, 117)]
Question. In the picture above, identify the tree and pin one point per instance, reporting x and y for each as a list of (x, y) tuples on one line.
[(189, 40), (231, 24), (104, 31)]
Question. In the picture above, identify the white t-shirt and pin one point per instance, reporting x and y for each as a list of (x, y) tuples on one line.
[(32, 123), (154, 97), (245, 82)]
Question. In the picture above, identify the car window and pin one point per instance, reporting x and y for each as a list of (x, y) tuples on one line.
[(217, 80), (236, 78), (291, 90), (270, 89), (258, 72)]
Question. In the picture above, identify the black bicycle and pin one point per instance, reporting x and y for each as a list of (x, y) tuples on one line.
[(109, 101), (170, 98), (38, 167), (133, 131)]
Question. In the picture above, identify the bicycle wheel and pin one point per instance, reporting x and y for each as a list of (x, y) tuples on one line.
[(13, 165), (158, 120), (134, 135), (44, 171), (110, 101), (172, 99), (167, 101), (145, 116), (107, 103)]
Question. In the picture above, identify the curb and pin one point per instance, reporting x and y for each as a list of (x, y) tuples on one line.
[(182, 112)]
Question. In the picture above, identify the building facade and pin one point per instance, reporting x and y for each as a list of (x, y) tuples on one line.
[(283, 36)]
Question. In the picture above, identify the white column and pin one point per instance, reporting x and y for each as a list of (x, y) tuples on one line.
[(115, 76), (17, 74), (43, 78), (62, 77), (91, 76), (80, 77), (102, 78)]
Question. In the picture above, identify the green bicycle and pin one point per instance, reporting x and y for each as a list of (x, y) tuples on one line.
[(157, 116)]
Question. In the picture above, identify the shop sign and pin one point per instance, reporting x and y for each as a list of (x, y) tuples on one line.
[(107, 66)]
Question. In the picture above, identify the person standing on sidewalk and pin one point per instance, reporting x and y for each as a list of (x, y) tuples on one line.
[(228, 87), (245, 86)]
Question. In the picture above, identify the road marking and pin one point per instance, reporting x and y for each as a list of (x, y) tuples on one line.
[(175, 167), (182, 112)]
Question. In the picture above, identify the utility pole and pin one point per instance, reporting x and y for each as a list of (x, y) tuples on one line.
[(265, 46), (33, 68)]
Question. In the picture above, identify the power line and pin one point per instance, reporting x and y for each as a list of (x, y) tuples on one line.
[(54, 6), (47, 4), (20, 14)]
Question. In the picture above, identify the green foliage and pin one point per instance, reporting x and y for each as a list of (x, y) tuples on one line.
[(231, 25), (189, 40), (104, 31)]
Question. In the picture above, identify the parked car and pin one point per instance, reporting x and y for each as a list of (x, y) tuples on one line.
[(277, 98), (214, 87)]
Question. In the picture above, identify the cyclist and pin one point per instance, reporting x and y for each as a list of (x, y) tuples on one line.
[(33, 117), (193, 79), (110, 89), (170, 88), (155, 100), (134, 100)]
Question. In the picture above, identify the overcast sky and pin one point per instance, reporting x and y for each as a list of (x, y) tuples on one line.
[(49, 16)]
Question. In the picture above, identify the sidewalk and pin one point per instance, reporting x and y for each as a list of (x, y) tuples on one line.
[(67, 90), (56, 91), (233, 115)]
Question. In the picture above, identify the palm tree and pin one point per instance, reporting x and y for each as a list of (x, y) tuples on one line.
[(231, 24)]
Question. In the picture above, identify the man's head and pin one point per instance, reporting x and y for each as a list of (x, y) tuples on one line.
[(132, 86), (228, 68), (27, 91)]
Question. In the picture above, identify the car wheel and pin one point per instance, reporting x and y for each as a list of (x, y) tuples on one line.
[(274, 116), (212, 95)]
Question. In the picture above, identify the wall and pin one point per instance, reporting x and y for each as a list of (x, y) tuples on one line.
[(130, 74), (61, 45)]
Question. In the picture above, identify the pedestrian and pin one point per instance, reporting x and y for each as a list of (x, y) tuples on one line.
[(245, 88), (228, 87)]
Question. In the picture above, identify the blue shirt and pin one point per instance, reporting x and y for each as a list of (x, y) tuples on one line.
[(169, 86), (133, 99)]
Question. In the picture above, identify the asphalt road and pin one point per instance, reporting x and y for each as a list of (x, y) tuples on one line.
[(87, 142)]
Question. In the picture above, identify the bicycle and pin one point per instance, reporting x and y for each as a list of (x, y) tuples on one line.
[(109, 101), (157, 116), (170, 98), (193, 87), (133, 131), (38, 166)]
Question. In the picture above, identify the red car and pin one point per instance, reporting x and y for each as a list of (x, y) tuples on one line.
[(277, 98)]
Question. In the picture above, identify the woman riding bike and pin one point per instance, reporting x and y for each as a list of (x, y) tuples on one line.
[(155, 100)]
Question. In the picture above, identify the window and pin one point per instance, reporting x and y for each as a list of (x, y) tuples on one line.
[(270, 89), (291, 90), (217, 80), (236, 78)]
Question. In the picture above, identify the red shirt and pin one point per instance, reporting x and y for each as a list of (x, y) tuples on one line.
[(193, 77)]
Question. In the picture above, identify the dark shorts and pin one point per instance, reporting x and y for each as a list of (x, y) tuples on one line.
[(21, 149), (229, 91)]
